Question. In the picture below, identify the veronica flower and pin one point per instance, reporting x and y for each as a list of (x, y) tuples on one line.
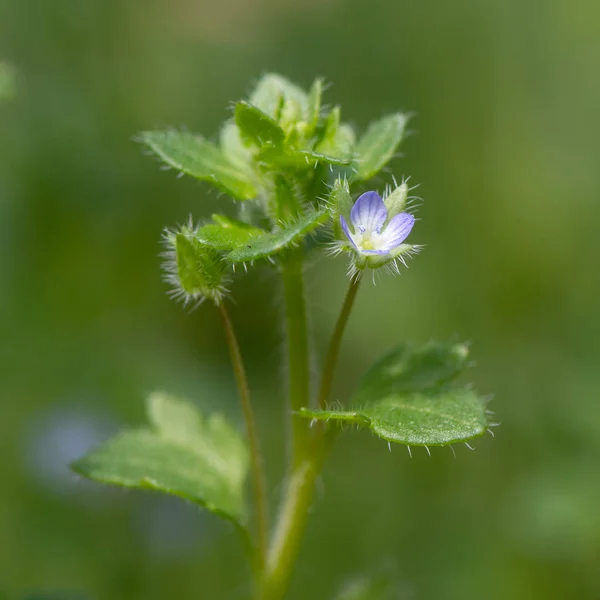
[(371, 235)]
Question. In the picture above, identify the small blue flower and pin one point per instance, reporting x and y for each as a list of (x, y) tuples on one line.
[(371, 235)]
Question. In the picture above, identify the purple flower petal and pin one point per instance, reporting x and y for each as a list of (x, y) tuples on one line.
[(368, 213), (396, 231), (347, 231)]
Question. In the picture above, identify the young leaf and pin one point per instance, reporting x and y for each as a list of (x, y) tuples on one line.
[(337, 138), (270, 244), (270, 90), (378, 146), (313, 111), (257, 127), (419, 419), (232, 146), (201, 159), (201, 460), (313, 156)]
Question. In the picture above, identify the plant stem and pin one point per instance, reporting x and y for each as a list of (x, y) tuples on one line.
[(256, 462), (291, 522), (334, 344), (297, 347), (293, 514)]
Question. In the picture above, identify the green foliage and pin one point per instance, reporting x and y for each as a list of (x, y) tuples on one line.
[(270, 244), (257, 127), (313, 105), (404, 398), (226, 236), (272, 90), (195, 156), (337, 138), (434, 419), (378, 146), (181, 453)]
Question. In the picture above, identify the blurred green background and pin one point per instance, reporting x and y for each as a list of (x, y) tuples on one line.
[(506, 96)]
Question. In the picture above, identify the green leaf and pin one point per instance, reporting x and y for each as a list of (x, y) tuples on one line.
[(232, 146), (227, 238), (271, 89), (183, 454), (257, 127), (270, 244), (407, 369), (337, 139), (378, 146), (313, 156), (313, 109), (405, 398), (201, 159), (419, 419)]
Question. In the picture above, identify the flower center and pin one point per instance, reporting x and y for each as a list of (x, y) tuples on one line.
[(367, 244)]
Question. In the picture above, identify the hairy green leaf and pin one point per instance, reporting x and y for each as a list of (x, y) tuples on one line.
[(183, 454), (195, 156), (419, 419), (313, 111), (271, 89), (232, 146), (378, 146), (257, 127), (405, 398), (270, 244), (226, 235), (337, 139)]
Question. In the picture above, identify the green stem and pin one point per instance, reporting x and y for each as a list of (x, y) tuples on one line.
[(297, 347), (293, 514), (334, 344), (291, 522), (256, 462)]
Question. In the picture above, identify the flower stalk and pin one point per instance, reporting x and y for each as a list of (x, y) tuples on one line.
[(256, 461)]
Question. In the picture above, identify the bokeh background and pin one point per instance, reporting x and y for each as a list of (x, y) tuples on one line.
[(505, 149)]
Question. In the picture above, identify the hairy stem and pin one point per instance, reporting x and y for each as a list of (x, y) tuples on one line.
[(293, 514), (333, 350), (256, 462), (297, 348)]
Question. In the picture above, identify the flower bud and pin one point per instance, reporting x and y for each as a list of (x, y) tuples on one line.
[(196, 271), (395, 202)]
